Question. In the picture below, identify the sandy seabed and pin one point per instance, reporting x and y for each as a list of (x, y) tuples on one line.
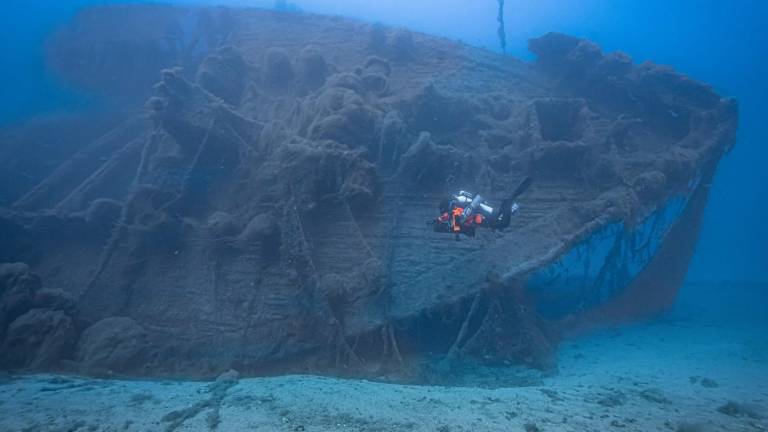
[(652, 377)]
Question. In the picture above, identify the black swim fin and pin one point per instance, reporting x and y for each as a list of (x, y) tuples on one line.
[(521, 188)]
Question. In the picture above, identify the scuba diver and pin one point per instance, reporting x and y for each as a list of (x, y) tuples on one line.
[(464, 212)]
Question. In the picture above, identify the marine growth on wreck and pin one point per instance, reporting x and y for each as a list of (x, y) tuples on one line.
[(256, 198)]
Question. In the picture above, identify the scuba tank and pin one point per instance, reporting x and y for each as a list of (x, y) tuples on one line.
[(469, 210)]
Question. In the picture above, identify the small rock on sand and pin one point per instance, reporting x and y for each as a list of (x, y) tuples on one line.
[(654, 395), (531, 427), (735, 409)]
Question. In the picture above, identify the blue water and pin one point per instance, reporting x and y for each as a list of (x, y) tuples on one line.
[(722, 43)]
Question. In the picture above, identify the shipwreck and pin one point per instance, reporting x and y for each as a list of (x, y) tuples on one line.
[(252, 192)]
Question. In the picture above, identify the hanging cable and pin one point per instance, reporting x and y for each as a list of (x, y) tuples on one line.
[(501, 32)]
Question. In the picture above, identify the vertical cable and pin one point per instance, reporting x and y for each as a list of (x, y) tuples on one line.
[(501, 32)]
